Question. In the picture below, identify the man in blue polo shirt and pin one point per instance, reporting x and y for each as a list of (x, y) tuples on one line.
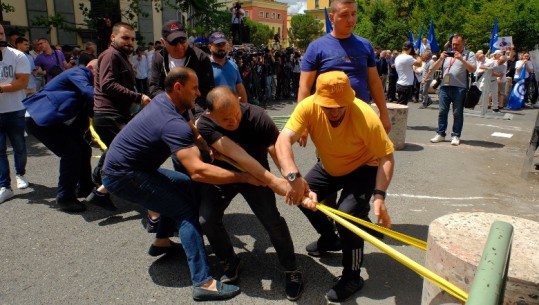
[(225, 72)]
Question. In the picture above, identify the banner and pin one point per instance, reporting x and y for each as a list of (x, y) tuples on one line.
[(431, 38), (329, 28), (516, 99), (504, 43), (494, 36)]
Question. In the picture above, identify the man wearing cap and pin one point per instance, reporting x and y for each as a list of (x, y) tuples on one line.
[(404, 64), (245, 134), (179, 53), (225, 72), (353, 146)]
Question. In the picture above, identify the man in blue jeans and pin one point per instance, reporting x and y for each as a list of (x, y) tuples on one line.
[(246, 134), (455, 68), (131, 172), (13, 82)]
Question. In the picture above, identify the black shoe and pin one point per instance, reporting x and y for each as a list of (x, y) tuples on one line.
[(83, 192), (224, 291), (174, 248), (70, 205), (323, 245), (294, 285), (344, 289), (231, 269), (101, 200)]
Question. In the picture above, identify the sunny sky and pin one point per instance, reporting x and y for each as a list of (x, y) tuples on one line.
[(295, 7)]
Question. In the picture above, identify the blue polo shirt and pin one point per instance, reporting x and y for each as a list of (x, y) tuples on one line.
[(226, 75)]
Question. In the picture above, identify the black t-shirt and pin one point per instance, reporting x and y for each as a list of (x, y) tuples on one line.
[(255, 134)]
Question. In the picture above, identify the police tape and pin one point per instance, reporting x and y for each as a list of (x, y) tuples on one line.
[(396, 255), (96, 137)]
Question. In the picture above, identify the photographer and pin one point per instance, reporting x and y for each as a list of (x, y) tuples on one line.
[(237, 21)]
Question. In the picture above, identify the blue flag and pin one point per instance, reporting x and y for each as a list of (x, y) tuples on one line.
[(494, 36), (418, 40), (516, 99), (329, 28), (431, 38), (411, 37)]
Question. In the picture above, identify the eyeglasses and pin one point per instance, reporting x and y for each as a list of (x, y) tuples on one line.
[(177, 41)]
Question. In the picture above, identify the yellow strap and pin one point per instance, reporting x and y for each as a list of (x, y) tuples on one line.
[(96, 137), (412, 241), (401, 258)]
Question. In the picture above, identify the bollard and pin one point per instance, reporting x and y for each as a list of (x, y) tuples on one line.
[(398, 115)]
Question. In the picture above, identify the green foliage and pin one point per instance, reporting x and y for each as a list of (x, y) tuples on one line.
[(387, 22), (304, 29), (6, 8), (260, 33), (58, 21)]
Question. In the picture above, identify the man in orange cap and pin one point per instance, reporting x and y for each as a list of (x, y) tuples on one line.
[(356, 158)]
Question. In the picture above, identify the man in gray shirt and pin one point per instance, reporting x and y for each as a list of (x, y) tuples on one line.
[(455, 68), (426, 101)]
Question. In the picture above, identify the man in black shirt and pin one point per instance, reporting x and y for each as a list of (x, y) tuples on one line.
[(245, 134)]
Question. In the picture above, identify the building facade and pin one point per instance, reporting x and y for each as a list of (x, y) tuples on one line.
[(316, 8)]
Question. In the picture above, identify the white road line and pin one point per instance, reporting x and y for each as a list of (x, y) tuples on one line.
[(441, 198)]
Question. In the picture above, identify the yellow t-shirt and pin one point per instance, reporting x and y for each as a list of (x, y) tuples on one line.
[(359, 140)]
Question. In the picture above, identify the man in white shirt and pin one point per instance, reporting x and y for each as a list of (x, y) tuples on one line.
[(142, 66), (404, 64)]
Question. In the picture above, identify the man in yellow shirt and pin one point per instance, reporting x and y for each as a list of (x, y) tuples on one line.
[(356, 158)]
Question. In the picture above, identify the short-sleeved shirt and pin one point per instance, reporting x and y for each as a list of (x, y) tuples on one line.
[(32, 79), (46, 61), (404, 64), (359, 140), (353, 56), (226, 75), (14, 62), (456, 70), (255, 133), (149, 139)]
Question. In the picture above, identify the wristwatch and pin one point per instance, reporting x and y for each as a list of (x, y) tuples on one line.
[(293, 176), (379, 192)]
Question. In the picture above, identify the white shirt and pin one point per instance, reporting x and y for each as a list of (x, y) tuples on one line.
[(519, 64), (14, 62), (141, 66), (404, 64)]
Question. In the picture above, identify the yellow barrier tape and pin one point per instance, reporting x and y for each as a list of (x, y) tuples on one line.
[(96, 137), (401, 258), (412, 241)]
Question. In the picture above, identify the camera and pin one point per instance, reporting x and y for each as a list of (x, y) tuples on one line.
[(237, 5), (450, 54)]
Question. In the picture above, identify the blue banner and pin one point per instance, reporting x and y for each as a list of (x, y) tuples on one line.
[(431, 38), (494, 36), (418, 44), (329, 28), (516, 99)]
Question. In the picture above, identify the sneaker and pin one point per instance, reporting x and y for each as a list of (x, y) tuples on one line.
[(5, 194), (344, 289), (101, 200), (224, 291), (70, 205), (22, 182), (438, 138), (323, 245), (455, 141), (294, 285), (231, 269)]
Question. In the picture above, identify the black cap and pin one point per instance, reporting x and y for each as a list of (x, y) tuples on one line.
[(173, 30), (217, 37), (408, 45)]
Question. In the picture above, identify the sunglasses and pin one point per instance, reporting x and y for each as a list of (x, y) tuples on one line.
[(177, 41)]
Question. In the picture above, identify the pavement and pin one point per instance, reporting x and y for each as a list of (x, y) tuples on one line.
[(100, 257)]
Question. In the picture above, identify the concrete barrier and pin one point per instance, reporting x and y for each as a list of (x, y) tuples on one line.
[(455, 244)]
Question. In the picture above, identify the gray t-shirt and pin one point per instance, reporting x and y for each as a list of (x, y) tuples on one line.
[(426, 69), (454, 72)]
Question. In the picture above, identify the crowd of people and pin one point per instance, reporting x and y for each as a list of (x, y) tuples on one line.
[(176, 99)]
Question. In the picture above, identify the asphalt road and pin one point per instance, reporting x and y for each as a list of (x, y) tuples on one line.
[(99, 257)]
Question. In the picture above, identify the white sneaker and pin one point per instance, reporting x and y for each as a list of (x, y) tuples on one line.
[(22, 182), (438, 138), (455, 140), (5, 194)]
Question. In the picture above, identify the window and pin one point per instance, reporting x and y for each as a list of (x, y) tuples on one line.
[(246, 13), (279, 16), (316, 3), (267, 15), (272, 15), (260, 14)]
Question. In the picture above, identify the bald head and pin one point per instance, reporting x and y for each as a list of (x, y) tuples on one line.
[(221, 97)]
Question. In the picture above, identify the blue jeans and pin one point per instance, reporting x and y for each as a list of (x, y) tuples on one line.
[(168, 193), (216, 198), (456, 96), (268, 83), (12, 126)]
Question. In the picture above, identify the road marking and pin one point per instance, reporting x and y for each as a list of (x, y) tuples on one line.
[(502, 135), (513, 128), (442, 198)]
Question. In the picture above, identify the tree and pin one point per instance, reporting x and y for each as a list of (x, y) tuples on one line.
[(260, 33), (304, 29), (5, 8)]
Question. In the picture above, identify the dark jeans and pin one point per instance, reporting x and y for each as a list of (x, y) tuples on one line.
[(356, 191), (12, 127), (68, 143), (404, 94), (168, 193), (236, 33), (216, 198), (451, 95), (142, 85), (392, 87)]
